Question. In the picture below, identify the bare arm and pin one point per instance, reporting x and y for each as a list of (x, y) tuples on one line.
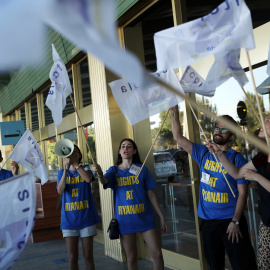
[(233, 229), (62, 181), (97, 169), (236, 173), (177, 132), (153, 199), (251, 175), (87, 177)]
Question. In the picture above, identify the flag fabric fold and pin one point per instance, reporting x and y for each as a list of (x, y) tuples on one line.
[(18, 210), (140, 102), (60, 88), (91, 26), (28, 154), (226, 28)]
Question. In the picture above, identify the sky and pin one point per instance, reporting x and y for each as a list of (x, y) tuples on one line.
[(230, 93)]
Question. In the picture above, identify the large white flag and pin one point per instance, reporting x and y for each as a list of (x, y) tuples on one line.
[(90, 24), (222, 69), (192, 82), (138, 103), (226, 67), (28, 154), (18, 210), (60, 88), (226, 28)]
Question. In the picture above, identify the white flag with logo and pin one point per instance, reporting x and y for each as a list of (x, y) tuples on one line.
[(226, 28), (18, 210), (192, 82), (226, 67), (138, 103), (28, 154), (60, 88)]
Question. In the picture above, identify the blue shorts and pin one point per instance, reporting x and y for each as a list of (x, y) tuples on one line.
[(85, 232)]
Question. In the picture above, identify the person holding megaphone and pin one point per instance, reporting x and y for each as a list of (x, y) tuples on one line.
[(78, 214)]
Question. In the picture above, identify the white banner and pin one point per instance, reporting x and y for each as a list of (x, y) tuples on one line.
[(91, 26), (60, 88), (226, 28), (138, 103), (28, 154), (192, 82), (18, 210)]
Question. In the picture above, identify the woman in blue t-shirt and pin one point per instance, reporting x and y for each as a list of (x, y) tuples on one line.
[(78, 214), (133, 199)]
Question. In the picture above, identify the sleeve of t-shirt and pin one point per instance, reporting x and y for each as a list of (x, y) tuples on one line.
[(240, 161), (110, 175), (197, 152), (149, 180)]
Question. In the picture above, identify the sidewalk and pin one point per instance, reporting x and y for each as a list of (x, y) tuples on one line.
[(53, 255)]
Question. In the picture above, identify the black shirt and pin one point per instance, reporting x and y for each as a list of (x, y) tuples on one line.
[(263, 167)]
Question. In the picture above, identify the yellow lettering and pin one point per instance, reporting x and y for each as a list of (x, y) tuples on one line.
[(208, 196), (129, 195), (213, 197), (67, 206), (75, 192), (72, 206), (206, 164), (124, 181), (217, 166), (226, 197), (137, 208), (218, 197), (222, 200), (81, 179), (213, 166), (68, 180), (120, 210), (81, 205), (137, 180)]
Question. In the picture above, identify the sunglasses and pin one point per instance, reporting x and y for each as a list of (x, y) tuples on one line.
[(222, 130)]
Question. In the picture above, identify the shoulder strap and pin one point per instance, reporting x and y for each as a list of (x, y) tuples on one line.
[(114, 193), (203, 157)]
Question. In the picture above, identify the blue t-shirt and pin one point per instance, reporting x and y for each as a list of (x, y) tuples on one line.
[(5, 174), (133, 209), (215, 199), (78, 208)]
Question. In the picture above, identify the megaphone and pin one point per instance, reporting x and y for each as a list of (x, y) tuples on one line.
[(64, 148)]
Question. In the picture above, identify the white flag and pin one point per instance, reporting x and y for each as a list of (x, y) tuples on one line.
[(28, 154), (22, 31), (268, 64), (226, 28), (18, 210), (90, 24), (60, 88), (192, 82), (226, 67), (138, 103)]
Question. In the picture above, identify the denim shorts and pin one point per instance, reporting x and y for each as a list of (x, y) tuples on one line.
[(85, 232)]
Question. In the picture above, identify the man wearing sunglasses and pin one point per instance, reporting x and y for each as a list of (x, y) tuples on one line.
[(223, 225)]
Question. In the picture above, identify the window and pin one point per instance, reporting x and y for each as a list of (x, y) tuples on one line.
[(34, 114), (86, 91)]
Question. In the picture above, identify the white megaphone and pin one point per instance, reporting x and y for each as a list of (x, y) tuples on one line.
[(64, 148)]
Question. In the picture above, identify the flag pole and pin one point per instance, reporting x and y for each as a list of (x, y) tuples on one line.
[(216, 158), (251, 138), (91, 156), (257, 99), (252, 107), (153, 143)]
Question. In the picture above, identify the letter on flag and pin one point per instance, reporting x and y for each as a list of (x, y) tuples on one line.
[(226, 28), (18, 210), (28, 154), (60, 88), (138, 103)]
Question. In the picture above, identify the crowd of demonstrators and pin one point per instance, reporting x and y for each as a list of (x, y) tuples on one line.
[(78, 214), (258, 169), (5, 174), (223, 224), (133, 199)]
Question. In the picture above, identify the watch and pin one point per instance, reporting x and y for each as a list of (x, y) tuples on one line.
[(235, 222), (77, 167)]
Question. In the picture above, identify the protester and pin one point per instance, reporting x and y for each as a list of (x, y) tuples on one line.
[(258, 169), (132, 203), (223, 225), (78, 214), (5, 174)]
